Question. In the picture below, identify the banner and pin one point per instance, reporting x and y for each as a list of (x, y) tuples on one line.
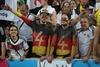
[(80, 63), (12, 3), (33, 3), (25, 63), (6, 15), (55, 63)]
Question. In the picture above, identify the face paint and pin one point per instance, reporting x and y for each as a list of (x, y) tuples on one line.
[(64, 20)]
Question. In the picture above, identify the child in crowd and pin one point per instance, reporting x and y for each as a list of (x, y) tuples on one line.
[(85, 39)]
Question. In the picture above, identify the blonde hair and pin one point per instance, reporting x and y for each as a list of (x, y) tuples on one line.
[(90, 20)]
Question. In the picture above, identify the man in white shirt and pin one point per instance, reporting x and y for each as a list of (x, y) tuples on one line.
[(85, 39)]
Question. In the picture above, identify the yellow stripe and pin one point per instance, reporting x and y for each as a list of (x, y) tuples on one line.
[(62, 52), (18, 10), (73, 52), (81, 7), (39, 50), (51, 51), (59, 57), (17, 13)]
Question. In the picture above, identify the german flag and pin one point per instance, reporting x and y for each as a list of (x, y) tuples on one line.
[(25, 19)]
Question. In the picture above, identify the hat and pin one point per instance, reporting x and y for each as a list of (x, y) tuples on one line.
[(44, 11)]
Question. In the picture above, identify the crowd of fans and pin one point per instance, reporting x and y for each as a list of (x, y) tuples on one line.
[(66, 29)]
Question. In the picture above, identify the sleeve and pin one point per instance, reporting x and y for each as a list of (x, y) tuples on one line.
[(74, 44), (49, 41), (53, 41), (26, 47), (91, 34), (25, 44), (74, 37)]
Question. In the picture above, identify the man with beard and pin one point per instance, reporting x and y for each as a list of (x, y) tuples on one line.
[(64, 40)]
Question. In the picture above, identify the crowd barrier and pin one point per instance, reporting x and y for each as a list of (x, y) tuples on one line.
[(55, 63)]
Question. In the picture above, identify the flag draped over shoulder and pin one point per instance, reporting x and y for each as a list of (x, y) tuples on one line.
[(97, 17), (33, 3)]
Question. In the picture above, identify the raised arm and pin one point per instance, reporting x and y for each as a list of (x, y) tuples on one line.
[(25, 19), (54, 19)]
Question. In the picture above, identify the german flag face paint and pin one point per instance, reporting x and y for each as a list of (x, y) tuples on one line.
[(64, 19)]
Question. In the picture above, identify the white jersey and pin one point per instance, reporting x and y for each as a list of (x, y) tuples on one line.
[(49, 9), (84, 38), (20, 45), (59, 17), (24, 29), (97, 6)]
